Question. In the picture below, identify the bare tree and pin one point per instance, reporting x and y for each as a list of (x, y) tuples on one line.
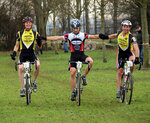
[(143, 7), (86, 3), (12, 12), (102, 4)]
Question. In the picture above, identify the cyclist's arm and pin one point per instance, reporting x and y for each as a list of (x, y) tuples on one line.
[(39, 41), (16, 46), (93, 36), (135, 46), (54, 38), (112, 36), (97, 36)]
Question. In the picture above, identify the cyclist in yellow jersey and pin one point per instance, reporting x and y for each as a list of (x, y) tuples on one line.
[(126, 46), (27, 39)]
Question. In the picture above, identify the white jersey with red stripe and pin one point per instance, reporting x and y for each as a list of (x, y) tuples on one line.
[(76, 41)]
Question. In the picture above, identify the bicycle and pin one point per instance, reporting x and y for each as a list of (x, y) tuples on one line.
[(27, 79), (78, 88), (127, 81)]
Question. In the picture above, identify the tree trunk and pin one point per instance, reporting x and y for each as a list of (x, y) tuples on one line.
[(68, 16), (145, 35), (103, 29), (87, 15), (115, 5), (54, 31), (95, 16)]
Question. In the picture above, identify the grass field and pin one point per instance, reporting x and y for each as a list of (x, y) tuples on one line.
[(51, 103)]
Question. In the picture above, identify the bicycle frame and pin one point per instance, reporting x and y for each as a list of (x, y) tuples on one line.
[(79, 88), (127, 66), (127, 85), (27, 78), (27, 67)]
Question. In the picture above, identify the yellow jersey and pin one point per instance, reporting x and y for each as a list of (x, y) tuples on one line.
[(28, 39), (125, 43)]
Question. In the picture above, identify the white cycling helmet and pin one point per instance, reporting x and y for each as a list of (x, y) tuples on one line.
[(126, 22)]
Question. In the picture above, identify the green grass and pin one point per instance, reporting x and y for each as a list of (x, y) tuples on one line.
[(51, 103)]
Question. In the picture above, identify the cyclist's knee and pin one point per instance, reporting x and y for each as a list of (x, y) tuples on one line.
[(21, 68), (38, 65), (72, 72), (91, 62), (119, 72)]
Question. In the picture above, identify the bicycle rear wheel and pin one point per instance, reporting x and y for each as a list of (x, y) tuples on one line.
[(129, 89), (78, 89), (28, 91), (122, 89)]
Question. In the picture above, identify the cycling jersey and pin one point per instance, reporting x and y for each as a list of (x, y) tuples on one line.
[(125, 45), (76, 41), (28, 39)]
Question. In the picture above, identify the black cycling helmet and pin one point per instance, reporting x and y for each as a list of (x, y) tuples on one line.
[(75, 23), (27, 18), (126, 22)]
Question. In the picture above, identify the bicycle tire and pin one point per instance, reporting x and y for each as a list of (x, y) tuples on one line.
[(78, 89), (129, 89), (28, 94), (122, 97)]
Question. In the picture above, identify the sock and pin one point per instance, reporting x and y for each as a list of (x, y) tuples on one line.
[(118, 90)]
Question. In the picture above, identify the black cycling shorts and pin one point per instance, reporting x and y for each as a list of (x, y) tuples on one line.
[(123, 56), (77, 57), (27, 56)]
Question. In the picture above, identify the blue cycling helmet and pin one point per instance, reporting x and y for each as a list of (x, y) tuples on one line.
[(65, 32), (75, 23)]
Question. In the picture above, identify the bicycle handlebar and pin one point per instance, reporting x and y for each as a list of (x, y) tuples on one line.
[(125, 60), (83, 62), (19, 63)]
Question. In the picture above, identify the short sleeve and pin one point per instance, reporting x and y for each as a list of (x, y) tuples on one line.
[(65, 37), (133, 40), (18, 36), (38, 39), (86, 35)]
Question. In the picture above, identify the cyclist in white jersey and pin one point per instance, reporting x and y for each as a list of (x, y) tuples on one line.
[(76, 40)]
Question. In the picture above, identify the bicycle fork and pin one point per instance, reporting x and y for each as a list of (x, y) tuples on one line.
[(81, 89), (29, 82)]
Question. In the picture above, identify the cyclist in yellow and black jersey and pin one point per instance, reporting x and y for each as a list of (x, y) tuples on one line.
[(26, 40), (126, 46)]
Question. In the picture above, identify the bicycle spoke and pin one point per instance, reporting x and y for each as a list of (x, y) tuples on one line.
[(129, 89), (78, 89), (28, 93)]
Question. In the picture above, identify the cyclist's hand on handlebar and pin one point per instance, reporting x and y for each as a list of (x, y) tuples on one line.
[(137, 60), (102, 36), (13, 55)]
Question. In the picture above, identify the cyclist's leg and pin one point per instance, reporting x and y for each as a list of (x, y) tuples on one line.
[(72, 80), (119, 74), (119, 68), (21, 76), (91, 63), (36, 71), (72, 77), (132, 58), (32, 58), (21, 70), (21, 59)]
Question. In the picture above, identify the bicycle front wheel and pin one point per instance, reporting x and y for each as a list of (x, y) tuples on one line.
[(129, 89), (28, 93), (78, 84)]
